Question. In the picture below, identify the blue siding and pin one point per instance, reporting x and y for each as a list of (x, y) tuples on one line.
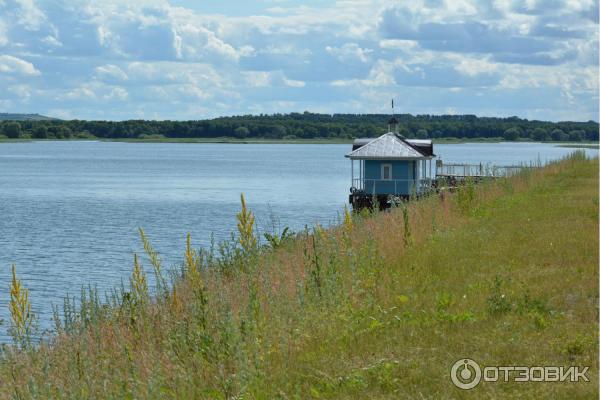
[(401, 169)]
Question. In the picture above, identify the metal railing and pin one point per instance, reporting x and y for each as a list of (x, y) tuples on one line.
[(392, 186), (477, 170)]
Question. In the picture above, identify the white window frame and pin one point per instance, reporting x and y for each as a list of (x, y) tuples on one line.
[(383, 166)]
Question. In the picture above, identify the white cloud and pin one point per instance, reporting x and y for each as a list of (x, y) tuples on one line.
[(52, 41), (197, 42), (79, 93), (192, 91), (270, 79), (475, 66), (294, 83), (143, 71), (3, 34), (350, 52), (381, 75), (22, 92), (110, 72), (396, 44), (567, 80), (29, 15), (117, 93), (172, 72), (14, 65)]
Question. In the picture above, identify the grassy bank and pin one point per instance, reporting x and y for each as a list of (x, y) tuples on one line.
[(505, 273)]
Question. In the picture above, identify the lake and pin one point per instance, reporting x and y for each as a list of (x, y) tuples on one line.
[(70, 211)]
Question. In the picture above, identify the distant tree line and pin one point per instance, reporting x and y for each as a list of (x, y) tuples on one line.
[(308, 126)]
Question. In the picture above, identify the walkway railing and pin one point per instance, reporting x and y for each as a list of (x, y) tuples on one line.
[(477, 170)]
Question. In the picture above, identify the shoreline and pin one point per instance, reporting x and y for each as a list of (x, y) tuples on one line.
[(227, 140)]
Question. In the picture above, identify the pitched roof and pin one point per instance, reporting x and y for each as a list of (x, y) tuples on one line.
[(386, 147), (424, 146), (360, 142)]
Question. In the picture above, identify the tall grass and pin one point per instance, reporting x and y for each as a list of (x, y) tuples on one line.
[(21, 318), (378, 307)]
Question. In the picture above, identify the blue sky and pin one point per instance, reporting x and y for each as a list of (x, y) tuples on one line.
[(184, 59)]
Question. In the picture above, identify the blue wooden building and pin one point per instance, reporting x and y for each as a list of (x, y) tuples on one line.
[(389, 166)]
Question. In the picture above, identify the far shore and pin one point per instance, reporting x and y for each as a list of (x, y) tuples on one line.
[(231, 140), (586, 145)]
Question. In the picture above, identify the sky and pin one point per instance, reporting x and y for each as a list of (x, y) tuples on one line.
[(186, 59)]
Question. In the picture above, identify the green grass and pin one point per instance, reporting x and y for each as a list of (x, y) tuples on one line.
[(379, 307)]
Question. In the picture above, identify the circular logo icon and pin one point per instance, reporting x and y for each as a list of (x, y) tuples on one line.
[(465, 373)]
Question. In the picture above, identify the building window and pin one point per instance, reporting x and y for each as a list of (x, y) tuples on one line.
[(386, 172)]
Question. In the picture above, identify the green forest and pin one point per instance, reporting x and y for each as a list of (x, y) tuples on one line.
[(306, 126)]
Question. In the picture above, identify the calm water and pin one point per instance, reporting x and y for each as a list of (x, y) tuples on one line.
[(70, 211)]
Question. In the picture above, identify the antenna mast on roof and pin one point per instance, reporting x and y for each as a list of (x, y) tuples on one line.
[(393, 124)]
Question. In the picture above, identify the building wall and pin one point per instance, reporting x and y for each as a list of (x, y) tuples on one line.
[(403, 175)]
